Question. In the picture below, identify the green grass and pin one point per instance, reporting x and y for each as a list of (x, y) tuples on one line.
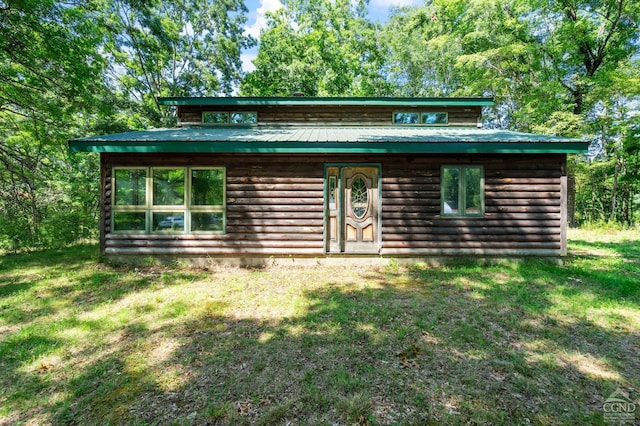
[(510, 342)]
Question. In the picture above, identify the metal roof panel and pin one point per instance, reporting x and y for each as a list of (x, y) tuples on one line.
[(326, 139)]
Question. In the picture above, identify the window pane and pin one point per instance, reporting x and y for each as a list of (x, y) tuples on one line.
[(168, 187), (212, 117), (129, 221), (473, 190), (207, 221), (450, 190), (359, 197), (405, 118), (207, 187), (130, 187), (244, 118), (169, 221), (434, 118), (332, 192)]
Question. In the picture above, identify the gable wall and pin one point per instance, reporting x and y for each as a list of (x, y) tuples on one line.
[(302, 115)]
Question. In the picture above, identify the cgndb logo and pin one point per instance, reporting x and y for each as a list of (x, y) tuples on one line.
[(618, 409)]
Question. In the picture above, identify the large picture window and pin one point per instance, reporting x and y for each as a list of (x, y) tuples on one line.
[(169, 200), (462, 189)]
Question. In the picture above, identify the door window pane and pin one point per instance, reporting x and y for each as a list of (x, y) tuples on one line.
[(130, 187), (332, 192), (359, 197), (168, 187)]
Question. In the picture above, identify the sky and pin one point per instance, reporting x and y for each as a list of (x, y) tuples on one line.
[(378, 11)]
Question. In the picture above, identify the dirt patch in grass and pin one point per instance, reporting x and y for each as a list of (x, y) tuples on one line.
[(509, 343)]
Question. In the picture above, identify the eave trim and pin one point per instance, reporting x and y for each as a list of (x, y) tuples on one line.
[(330, 147)]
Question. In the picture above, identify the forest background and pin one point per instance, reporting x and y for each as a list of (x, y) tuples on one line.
[(83, 67)]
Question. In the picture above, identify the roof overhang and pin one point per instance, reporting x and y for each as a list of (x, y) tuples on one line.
[(328, 140), (331, 101)]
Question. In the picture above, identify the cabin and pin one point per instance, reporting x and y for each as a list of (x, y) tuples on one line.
[(251, 179)]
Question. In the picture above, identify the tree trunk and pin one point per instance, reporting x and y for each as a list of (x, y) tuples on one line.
[(614, 192)]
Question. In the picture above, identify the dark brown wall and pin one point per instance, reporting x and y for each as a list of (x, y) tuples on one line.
[(330, 115), (275, 206), (522, 207)]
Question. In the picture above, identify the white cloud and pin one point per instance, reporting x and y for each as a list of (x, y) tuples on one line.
[(261, 20)]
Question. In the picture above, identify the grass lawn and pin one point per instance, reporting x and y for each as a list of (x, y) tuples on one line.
[(83, 342)]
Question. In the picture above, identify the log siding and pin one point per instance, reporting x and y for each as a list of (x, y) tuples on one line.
[(338, 116), (275, 206)]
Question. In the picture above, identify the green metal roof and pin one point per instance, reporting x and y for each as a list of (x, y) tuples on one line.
[(336, 101), (330, 140)]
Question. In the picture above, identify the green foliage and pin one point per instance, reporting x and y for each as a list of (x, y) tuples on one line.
[(172, 49), (319, 48), (566, 68), (68, 69)]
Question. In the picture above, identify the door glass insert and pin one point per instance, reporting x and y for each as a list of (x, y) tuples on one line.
[(359, 197), (332, 192)]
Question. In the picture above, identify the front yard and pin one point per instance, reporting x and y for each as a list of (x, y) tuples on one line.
[(84, 342)]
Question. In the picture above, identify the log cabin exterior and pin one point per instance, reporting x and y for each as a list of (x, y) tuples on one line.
[(261, 178)]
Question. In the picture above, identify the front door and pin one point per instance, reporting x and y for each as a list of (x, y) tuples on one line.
[(352, 209)]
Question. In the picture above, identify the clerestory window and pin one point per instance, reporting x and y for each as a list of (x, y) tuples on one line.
[(420, 118), (229, 118)]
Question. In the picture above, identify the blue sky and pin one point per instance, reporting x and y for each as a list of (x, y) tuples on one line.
[(378, 11)]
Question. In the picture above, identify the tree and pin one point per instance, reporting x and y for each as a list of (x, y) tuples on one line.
[(50, 69), (566, 67), (318, 47), (71, 68), (158, 48)]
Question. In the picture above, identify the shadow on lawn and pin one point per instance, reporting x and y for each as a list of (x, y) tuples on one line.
[(454, 345), (72, 283), (628, 249)]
